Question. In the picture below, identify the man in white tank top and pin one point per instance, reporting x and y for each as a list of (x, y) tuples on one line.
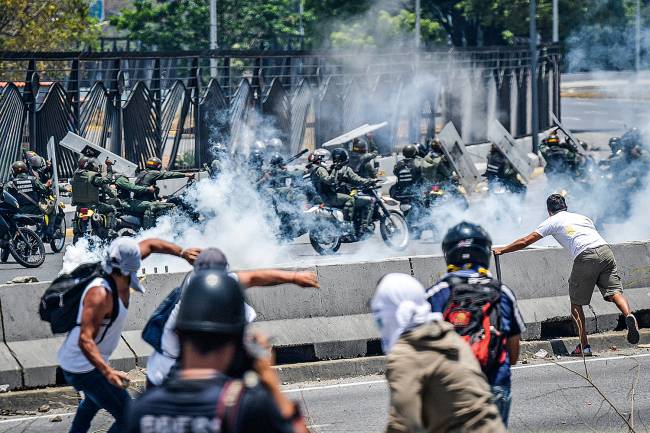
[(84, 355), (593, 265)]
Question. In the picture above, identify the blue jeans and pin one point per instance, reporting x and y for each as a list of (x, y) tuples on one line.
[(502, 398), (99, 393)]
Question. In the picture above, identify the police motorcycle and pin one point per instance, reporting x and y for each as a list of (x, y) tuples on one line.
[(328, 228), (22, 243), (40, 222)]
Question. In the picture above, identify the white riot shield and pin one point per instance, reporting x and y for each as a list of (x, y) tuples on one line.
[(51, 155), (500, 136), (456, 152), (569, 135), (82, 146), (355, 133)]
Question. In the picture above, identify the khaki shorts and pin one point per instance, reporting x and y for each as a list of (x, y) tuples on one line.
[(594, 267)]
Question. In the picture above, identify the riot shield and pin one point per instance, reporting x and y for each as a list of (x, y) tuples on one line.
[(456, 152), (80, 145), (51, 155), (355, 133), (500, 136)]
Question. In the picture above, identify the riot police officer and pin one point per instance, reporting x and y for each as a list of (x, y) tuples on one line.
[(345, 179), (442, 171), (38, 166), (560, 158), (27, 189), (361, 160), (92, 189), (501, 172), (151, 175)]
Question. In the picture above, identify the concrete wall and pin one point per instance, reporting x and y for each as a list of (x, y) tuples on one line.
[(327, 323)]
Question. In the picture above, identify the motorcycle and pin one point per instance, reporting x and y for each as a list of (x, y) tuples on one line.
[(329, 230), (21, 242), (40, 222)]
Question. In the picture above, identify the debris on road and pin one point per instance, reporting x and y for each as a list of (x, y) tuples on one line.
[(4, 388), (56, 419), (23, 280), (44, 408), (541, 353)]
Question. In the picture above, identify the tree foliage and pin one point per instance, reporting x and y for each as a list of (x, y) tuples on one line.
[(46, 25)]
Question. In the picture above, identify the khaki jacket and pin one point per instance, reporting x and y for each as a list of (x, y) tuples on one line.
[(437, 386)]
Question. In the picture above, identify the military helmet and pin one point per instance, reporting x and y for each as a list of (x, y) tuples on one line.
[(423, 149), (467, 243), (92, 164), (18, 167), (256, 157), (82, 162), (552, 138), (212, 302), (318, 156), (33, 160), (277, 160), (359, 146), (275, 143), (340, 156), (410, 151), (153, 163)]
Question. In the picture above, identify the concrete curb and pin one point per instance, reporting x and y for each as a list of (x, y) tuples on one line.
[(27, 402)]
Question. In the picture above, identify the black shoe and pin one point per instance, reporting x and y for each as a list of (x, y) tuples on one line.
[(632, 329)]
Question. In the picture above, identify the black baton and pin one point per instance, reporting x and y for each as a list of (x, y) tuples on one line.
[(497, 264)]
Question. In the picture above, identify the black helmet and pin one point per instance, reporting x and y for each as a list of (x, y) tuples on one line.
[(359, 146), (410, 151), (256, 158), (615, 144), (92, 164), (82, 162), (212, 302), (423, 149), (18, 167), (467, 243), (153, 163), (277, 160), (340, 156), (33, 160)]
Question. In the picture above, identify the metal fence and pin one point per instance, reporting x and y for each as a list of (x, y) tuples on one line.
[(177, 105)]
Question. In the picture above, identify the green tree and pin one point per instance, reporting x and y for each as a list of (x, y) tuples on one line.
[(46, 25), (184, 24)]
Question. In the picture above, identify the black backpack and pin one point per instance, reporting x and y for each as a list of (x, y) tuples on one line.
[(475, 311), (61, 301), (153, 330)]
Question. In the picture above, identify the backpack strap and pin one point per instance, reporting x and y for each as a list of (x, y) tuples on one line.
[(229, 403)]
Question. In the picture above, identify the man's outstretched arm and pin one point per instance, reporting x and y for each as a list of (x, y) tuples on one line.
[(519, 244), (273, 277), (151, 246)]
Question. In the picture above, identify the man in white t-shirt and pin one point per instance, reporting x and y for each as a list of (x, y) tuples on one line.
[(593, 265)]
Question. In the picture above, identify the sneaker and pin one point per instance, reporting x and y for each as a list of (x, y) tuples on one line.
[(578, 352), (632, 329)]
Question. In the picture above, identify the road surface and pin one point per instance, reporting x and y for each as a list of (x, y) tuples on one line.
[(614, 115), (546, 398)]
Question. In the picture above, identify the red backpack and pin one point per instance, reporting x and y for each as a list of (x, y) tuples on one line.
[(474, 308)]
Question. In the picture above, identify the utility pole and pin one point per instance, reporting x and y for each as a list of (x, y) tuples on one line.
[(637, 38), (213, 37), (533, 75), (556, 22), (417, 24)]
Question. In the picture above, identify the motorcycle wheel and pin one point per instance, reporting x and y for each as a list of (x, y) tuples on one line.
[(28, 249), (57, 244), (324, 245), (4, 256), (394, 231)]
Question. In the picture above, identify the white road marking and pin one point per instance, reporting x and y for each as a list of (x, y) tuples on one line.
[(368, 382)]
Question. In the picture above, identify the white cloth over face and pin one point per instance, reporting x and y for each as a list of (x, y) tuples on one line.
[(400, 304)]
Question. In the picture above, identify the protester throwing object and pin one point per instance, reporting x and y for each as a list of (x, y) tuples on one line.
[(100, 311), (160, 329), (436, 384), (203, 396), (593, 265)]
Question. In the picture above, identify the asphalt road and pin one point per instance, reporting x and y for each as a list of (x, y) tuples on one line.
[(546, 398), (604, 114)]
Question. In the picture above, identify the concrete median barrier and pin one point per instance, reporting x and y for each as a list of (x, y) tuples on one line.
[(332, 322)]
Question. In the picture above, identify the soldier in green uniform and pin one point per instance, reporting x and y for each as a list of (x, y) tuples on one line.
[(442, 171), (153, 173), (92, 189), (361, 160), (501, 171), (344, 179)]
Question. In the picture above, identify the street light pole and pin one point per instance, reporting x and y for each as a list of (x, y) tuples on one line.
[(213, 37), (533, 75), (417, 24), (556, 22), (637, 38)]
